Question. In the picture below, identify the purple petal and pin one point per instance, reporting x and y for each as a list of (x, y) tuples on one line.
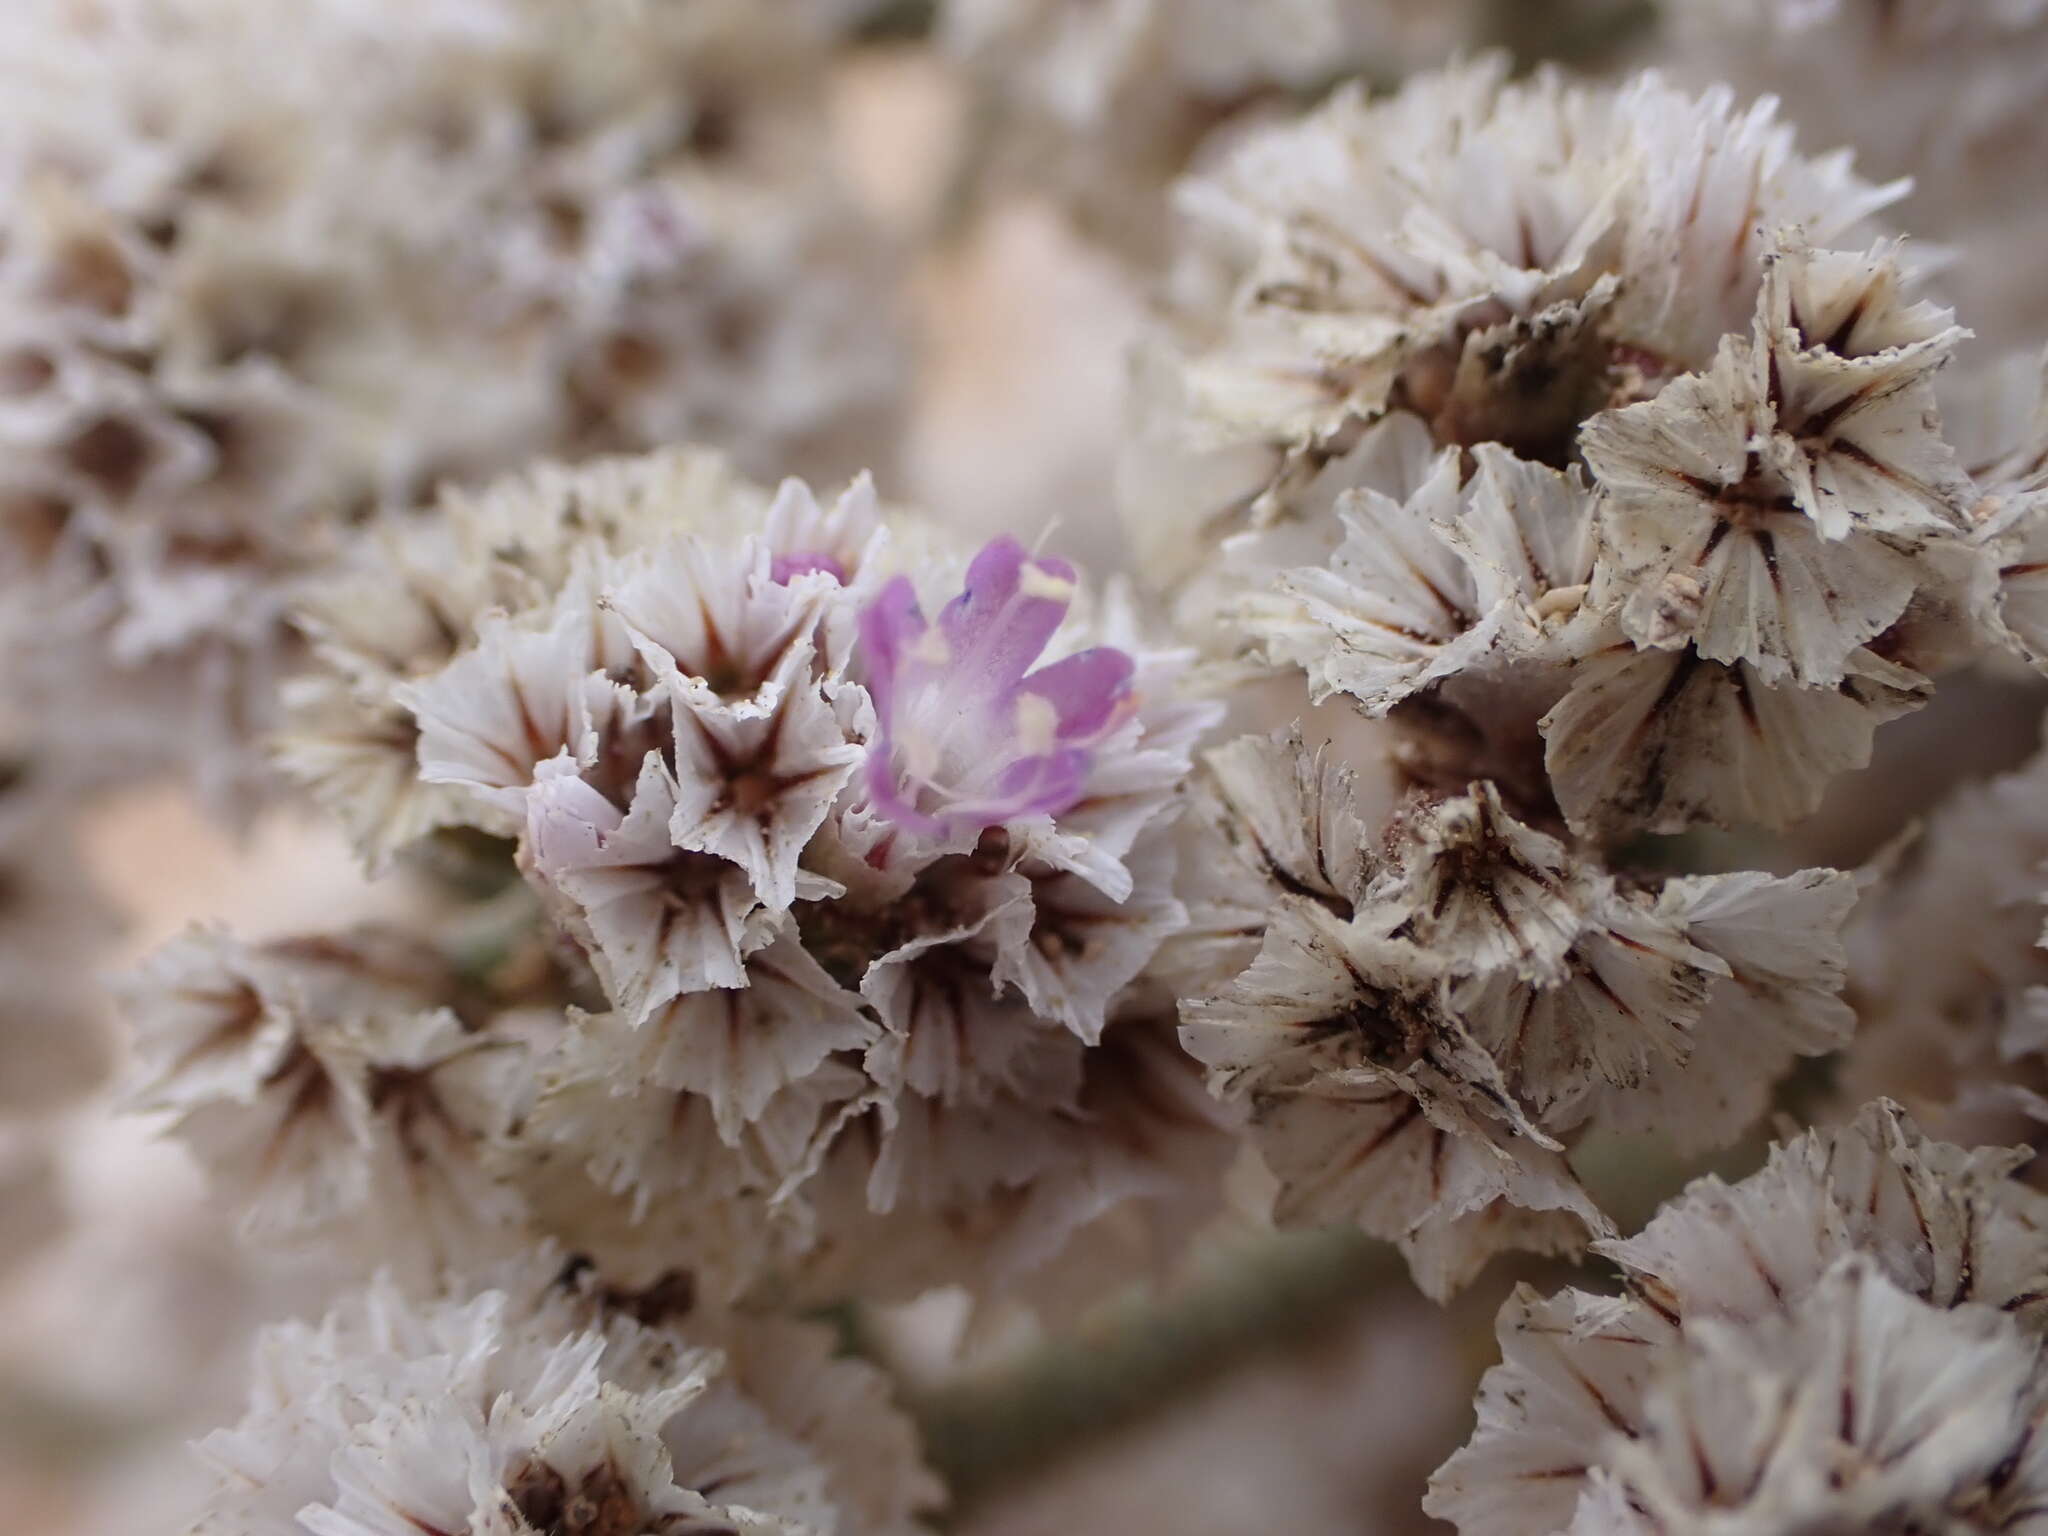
[(1089, 690), (1042, 786), (885, 793), (785, 568), (951, 700), (999, 625), (889, 627)]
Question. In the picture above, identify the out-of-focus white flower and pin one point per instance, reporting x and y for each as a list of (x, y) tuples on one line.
[(622, 1164), (333, 1095), (1086, 1166), (550, 1408), (1948, 975), (265, 274)]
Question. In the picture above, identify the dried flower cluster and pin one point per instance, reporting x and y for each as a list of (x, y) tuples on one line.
[(1432, 1019), (856, 916), (1555, 437), (1847, 1340), (545, 1404), (810, 908)]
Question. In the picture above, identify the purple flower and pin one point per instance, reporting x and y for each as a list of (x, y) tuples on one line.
[(969, 736), (787, 568)]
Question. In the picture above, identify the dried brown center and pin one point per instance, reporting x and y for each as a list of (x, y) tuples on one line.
[(601, 1502)]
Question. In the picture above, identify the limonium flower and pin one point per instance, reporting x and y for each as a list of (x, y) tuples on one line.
[(970, 736), (843, 932), (807, 909), (1798, 1335)]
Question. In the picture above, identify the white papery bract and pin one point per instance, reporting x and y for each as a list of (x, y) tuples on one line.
[(1717, 551), (1524, 408), (1417, 1036), (1425, 252), (1769, 510), (1654, 741), (1863, 1408), (1905, 1251), (545, 1406), (333, 1095)]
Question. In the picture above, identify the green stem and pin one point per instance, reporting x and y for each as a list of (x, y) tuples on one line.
[(988, 1432)]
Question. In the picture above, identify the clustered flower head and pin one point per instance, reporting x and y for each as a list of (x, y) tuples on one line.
[(839, 921), (1555, 425), (1435, 1014), (268, 268), (1846, 1340), (543, 1403), (334, 1092)]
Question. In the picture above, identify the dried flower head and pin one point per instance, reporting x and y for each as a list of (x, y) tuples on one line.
[(1476, 991), (333, 1095), (1502, 259), (1755, 540), (553, 1408), (1862, 1409), (860, 919), (1854, 1271)]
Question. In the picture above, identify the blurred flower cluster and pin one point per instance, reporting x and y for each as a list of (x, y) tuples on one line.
[(1505, 761)]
